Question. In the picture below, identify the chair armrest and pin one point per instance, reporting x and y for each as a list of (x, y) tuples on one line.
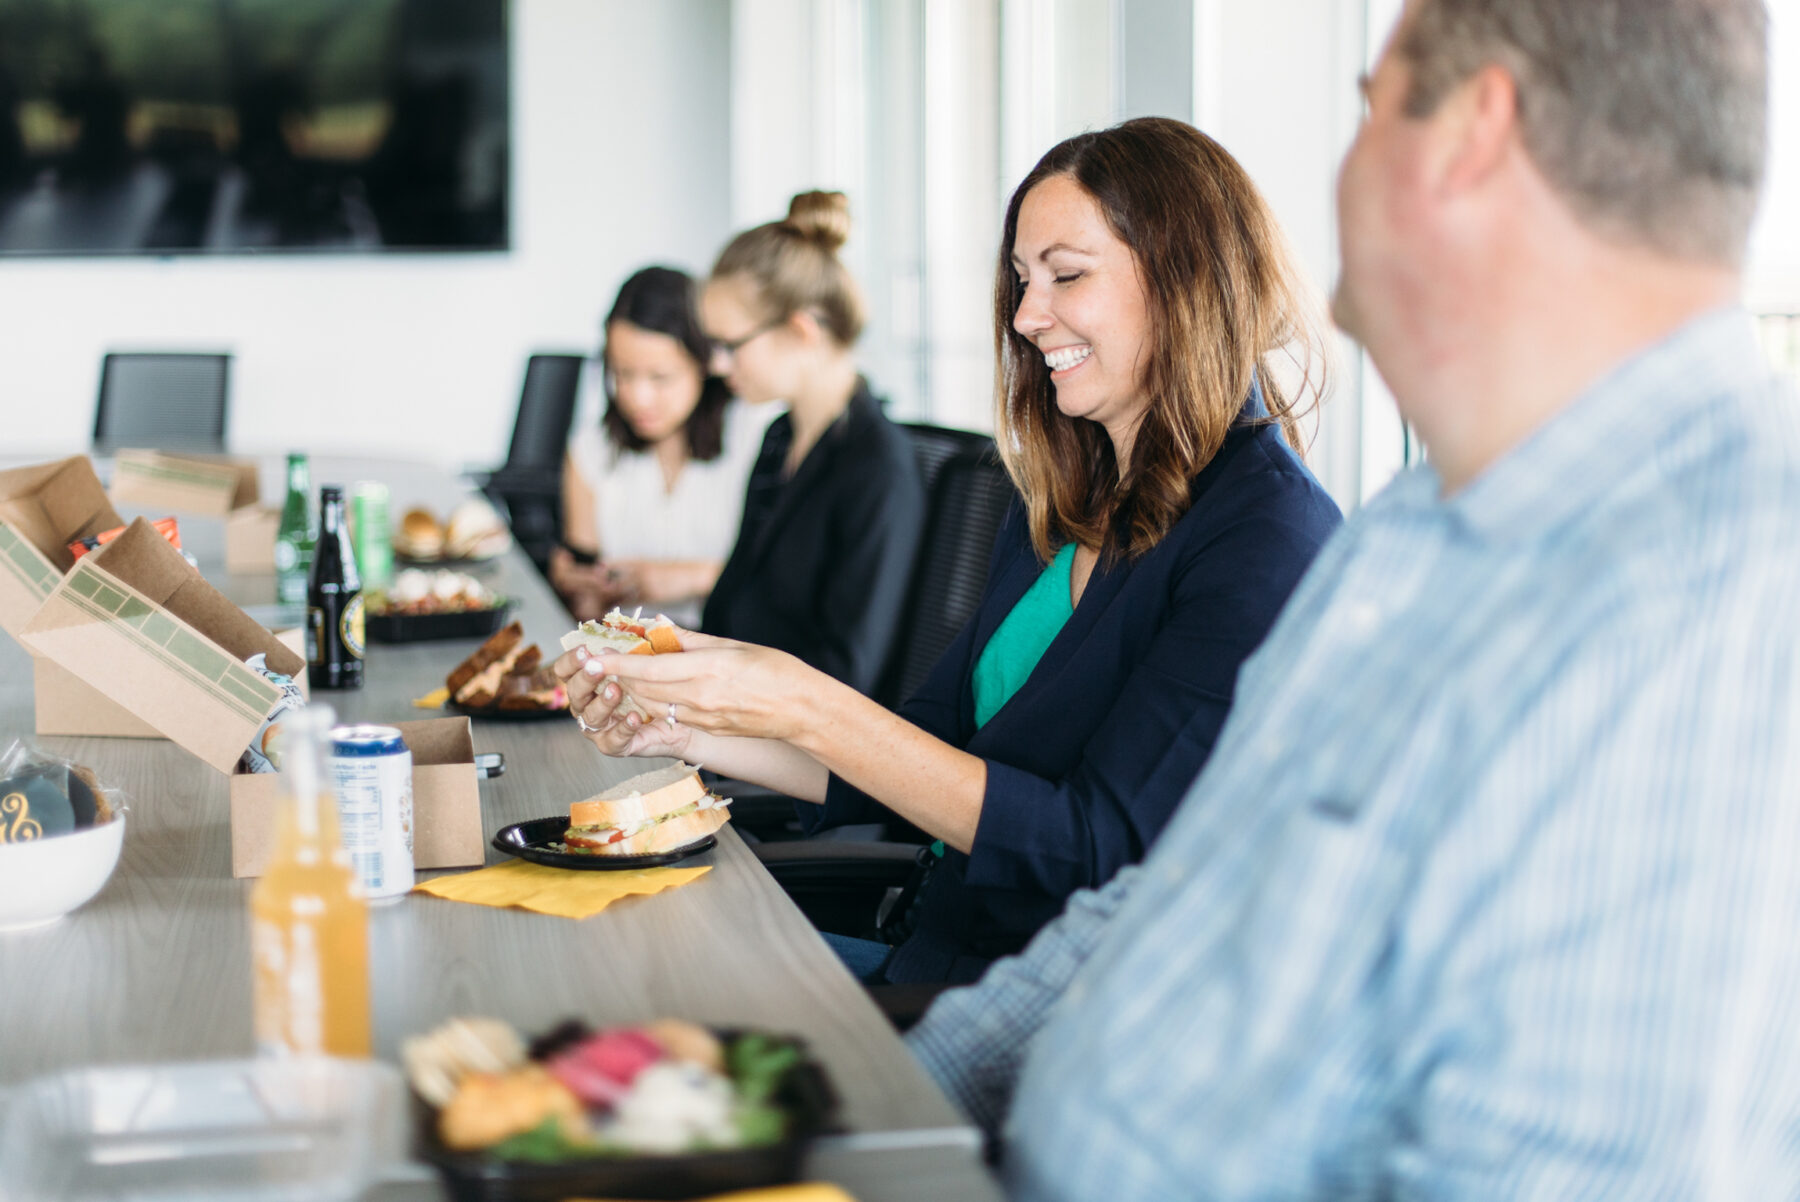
[(905, 1005), (523, 483), (763, 813), (839, 886), (866, 863)]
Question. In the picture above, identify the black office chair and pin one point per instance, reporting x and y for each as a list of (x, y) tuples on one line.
[(840, 885), (933, 446), (527, 488), (166, 402), (970, 494), (967, 494)]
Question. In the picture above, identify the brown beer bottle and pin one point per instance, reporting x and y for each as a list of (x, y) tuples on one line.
[(334, 604)]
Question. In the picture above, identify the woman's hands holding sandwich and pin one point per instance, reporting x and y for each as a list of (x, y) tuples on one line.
[(596, 702), (618, 732), (766, 716), (718, 686)]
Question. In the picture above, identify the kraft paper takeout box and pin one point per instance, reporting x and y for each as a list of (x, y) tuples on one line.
[(208, 485), (43, 508), (134, 621), (446, 805)]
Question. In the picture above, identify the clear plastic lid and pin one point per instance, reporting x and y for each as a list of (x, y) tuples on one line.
[(250, 1130)]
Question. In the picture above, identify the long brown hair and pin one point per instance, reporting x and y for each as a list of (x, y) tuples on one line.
[(793, 265), (1225, 305)]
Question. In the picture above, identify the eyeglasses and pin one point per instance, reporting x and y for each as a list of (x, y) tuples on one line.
[(729, 348)]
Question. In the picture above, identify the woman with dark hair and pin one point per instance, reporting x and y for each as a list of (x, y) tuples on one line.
[(1146, 315), (651, 508)]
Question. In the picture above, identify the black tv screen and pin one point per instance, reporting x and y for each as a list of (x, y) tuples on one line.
[(235, 126)]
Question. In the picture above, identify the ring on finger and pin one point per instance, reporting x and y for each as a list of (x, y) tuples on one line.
[(671, 713), (581, 721)]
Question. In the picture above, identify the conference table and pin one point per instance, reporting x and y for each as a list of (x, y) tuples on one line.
[(156, 968)]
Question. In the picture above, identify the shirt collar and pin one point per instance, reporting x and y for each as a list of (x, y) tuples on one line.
[(1254, 410), (1568, 466)]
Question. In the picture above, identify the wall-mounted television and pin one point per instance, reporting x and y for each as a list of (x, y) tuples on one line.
[(245, 126)]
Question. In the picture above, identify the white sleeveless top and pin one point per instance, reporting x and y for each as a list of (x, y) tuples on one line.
[(637, 518)]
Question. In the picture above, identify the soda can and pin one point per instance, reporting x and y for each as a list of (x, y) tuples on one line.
[(370, 535), (372, 769)]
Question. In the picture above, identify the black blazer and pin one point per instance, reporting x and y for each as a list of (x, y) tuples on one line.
[(822, 560), (1088, 760)]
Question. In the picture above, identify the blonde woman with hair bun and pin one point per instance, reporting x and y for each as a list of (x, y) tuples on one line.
[(834, 507)]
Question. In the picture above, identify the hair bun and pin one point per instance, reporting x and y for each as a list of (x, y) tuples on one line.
[(820, 217)]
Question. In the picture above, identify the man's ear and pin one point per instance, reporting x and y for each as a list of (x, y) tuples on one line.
[(1479, 123)]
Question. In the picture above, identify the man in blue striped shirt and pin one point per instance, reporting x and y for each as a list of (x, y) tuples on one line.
[(1488, 890)]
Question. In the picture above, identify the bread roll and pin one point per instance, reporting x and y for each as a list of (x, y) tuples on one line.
[(420, 535)]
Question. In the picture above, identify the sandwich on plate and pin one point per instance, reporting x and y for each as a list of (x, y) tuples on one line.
[(475, 531), (506, 673), (419, 536), (646, 815)]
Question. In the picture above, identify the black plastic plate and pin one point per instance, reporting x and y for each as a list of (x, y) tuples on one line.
[(493, 713), (531, 840)]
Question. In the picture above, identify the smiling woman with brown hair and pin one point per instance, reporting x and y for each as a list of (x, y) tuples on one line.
[(1144, 310)]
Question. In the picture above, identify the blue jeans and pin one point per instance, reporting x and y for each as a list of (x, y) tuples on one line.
[(865, 958)]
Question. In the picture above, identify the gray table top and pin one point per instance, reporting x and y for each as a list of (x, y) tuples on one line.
[(157, 966)]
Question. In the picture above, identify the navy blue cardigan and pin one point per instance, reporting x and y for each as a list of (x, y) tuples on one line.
[(1088, 760)]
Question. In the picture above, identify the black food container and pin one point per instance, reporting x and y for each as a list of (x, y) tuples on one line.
[(416, 628), (805, 1096)]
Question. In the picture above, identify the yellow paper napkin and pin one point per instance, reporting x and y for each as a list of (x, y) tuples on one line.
[(804, 1191), (566, 892)]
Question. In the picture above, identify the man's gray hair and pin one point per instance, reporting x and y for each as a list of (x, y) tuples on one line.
[(1648, 116)]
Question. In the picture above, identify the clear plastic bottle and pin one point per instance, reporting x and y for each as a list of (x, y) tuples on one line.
[(309, 923)]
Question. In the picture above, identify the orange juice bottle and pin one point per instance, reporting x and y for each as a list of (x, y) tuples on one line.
[(309, 923)]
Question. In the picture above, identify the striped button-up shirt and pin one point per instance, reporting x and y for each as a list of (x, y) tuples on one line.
[(1491, 888)]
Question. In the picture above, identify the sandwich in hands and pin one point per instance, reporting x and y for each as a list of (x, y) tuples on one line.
[(656, 812), (631, 635)]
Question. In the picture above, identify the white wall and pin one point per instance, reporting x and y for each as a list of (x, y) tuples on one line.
[(413, 355)]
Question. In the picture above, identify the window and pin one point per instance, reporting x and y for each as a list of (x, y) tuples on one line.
[(1772, 284)]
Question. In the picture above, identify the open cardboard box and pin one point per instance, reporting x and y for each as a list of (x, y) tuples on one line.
[(211, 486), (446, 806), (44, 508), (135, 620)]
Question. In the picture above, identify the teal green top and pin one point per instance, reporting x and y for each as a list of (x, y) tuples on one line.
[(1021, 640)]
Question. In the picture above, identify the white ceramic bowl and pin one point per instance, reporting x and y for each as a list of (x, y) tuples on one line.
[(43, 879)]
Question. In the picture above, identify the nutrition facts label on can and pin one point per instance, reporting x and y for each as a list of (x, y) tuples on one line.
[(372, 771)]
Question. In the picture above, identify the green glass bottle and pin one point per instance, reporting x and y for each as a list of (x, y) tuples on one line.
[(298, 532)]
